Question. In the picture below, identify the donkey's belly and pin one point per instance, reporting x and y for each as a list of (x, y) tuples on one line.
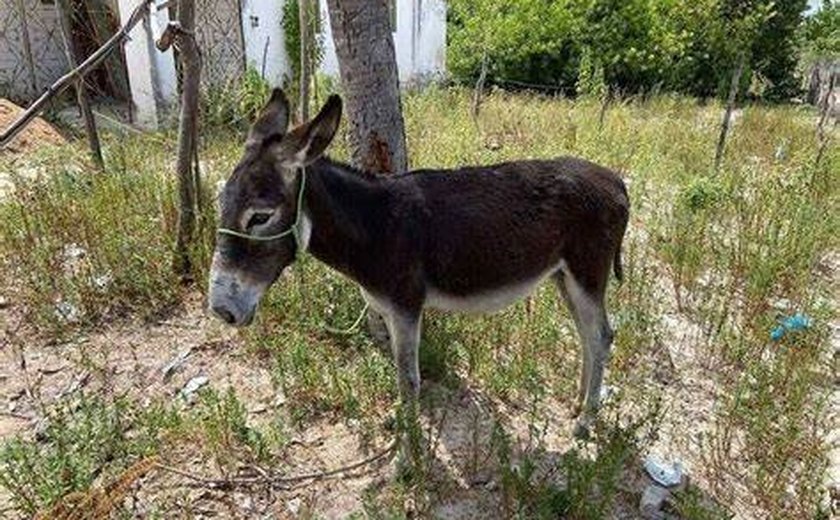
[(488, 300)]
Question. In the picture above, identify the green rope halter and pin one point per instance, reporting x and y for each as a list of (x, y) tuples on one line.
[(294, 230)]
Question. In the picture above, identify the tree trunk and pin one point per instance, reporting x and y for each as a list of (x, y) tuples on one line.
[(368, 67), (187, 183), (303, 104), (70, 48), (730, 105)]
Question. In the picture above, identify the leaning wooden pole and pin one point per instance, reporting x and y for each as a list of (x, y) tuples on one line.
[(187, 135), (730, 105), (64, 15), (67, 80)]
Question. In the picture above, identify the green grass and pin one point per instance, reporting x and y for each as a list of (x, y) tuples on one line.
[(718, 249)]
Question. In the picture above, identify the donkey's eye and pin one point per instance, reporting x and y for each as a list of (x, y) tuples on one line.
[(258, 219)]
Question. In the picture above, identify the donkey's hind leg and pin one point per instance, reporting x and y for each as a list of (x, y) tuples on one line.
[(586, 303)]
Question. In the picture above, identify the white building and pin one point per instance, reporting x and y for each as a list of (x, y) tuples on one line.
[(232, 35)]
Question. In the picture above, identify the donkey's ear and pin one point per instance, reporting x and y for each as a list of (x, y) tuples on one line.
[(273, 119), (306, 143)]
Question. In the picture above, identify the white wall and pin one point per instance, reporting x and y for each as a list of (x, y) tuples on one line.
[(419, 42), (262, 24), (151, 73)]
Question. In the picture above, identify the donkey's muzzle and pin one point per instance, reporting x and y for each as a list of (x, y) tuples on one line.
[(224, 314), (233, 297)]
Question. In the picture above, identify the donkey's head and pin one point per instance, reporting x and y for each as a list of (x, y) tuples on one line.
[(260, 218)]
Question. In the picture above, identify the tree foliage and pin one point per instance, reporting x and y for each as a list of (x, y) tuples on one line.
[(821, 32), (636, 45)]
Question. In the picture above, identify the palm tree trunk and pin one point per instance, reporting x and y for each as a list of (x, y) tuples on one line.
[(368, 68)]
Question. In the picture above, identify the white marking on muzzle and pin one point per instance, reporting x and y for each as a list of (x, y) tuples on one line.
[(232, 292)]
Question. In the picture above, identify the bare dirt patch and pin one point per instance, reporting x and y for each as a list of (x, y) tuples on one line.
[(37, 134)]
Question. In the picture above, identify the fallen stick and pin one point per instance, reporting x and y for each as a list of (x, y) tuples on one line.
[(68, 79), (275, 481)]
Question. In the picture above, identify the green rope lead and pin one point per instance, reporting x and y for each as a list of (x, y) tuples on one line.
[(352, 328)]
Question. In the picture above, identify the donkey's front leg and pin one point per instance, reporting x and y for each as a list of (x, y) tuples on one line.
[(404, 328)]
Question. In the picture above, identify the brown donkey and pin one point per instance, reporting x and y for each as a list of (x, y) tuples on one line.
[(469, 239)]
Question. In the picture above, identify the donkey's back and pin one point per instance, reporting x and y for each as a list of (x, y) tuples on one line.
[(505, 227)]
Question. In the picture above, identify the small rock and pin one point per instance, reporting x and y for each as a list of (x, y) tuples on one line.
[(652, 500), (67, 312), (293, 506), (607, 393), (664, 473), (102, 281), (4, 302), (245, 502), (175, 364), (192, 386), (280, 398), (260, 408), (41, 428), (78, 382)]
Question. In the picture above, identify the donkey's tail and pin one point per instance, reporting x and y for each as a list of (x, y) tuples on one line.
[(617, 267)]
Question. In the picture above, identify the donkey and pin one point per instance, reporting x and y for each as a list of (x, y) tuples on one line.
[(468, 239)]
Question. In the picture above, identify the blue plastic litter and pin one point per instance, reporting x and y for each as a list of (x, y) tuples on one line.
[(796, 322)]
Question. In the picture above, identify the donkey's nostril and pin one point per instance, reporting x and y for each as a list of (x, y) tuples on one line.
[(225, 314)]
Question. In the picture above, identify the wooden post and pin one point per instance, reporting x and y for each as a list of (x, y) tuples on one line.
[(730, 105), (303, 18), (479, 88), (187, 181), (64, 15), (825, 107)]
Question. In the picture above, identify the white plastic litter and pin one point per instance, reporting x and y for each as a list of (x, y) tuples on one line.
[(664, 473)]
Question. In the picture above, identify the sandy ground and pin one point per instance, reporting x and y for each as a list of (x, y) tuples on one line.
[(128, 359), (35, 136)]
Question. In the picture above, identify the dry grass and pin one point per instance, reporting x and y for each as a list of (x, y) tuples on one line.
[(712, 261)]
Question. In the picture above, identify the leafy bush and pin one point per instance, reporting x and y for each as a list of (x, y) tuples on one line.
[(821, 32), (638, 45)]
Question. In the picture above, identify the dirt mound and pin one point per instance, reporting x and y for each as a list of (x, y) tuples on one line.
[(36, 134)]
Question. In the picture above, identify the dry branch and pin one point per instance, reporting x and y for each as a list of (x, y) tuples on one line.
[(276, 481), (140, 12)]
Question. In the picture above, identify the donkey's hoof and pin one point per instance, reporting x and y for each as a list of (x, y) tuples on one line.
[(581, 430)]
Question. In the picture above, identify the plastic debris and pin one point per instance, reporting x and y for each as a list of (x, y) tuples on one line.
[(664, 473), (795, 322)]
